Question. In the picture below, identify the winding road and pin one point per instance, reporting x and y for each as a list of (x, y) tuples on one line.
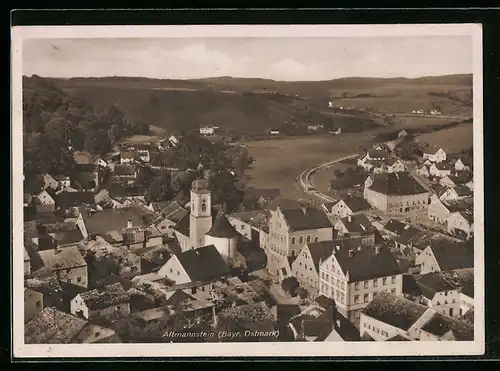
[(306, 183)]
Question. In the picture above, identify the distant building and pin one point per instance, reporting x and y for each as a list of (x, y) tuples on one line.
[(434, 156), (143, 152), (460, 165), (356, 225), (467, 299), (208, 130), (127, 157), (347, 206), (456, 193), (67, 263), (461, 223), (440, 170), (440, 209), (274, 132), (403, 133)]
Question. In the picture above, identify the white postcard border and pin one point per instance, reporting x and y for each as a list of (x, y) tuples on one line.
[(292, 349)]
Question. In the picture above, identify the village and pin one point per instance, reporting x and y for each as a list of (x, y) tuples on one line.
[(391, 260)]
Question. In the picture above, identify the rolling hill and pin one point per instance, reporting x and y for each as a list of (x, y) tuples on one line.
[(249, 106)]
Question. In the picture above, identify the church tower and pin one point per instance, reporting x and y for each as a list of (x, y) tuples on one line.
[(200, 220)]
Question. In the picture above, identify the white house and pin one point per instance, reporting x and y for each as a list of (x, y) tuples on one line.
[(461, 223), (395, 165), (423, 170), (101, 162), (440, 170), (438, 292), (347, 206), (445, 256), (466, 298), (174, 141), (275, 132), (460, 166), (208, 130), (438, 156), (456, 193)]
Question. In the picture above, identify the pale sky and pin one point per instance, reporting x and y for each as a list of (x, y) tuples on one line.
[(274, 58)]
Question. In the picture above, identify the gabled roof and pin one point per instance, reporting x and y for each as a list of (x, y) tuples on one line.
[(125, 170), (439, 325), (461, 178), (65, 200), (283, 203), (396, 184), (378, 153), (398, 338), (453, 255), (392, 160), (394, 310), (432, 283), (320, 251), (462, 190), (222, 228), (357, 223), (62, 258), (86, 168), (396, 227), (52, 326), (442, 166), (366, 263), (468, 290), (173, 211), (108, 220), (102, 298), (183, 225), (306, 218), (467, 215), (356, 203), (203, 264), (458, 205)]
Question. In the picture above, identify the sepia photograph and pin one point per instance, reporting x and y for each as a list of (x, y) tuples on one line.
[(247, 190)]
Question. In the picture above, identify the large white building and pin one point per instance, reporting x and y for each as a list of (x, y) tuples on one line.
[(395, 193)]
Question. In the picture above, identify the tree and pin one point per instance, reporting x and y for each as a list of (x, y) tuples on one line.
[(290, 285), (57, 128), (160, 188)]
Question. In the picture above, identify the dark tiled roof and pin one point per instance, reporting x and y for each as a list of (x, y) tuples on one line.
[(357, 223), (125, 170), (392, 160), (306, 218), (396, 227), (62, 258), (222, 228), (396, 184), (52, 326), (432, 283), (283, 203), (462, 190), (108, 220), (366, 264), (356, 203), (320, 251), (68, 237), (174, 211), (468, 290), (452, 255), (394, 310), (460, 178), (439, 325), (377, 153), (66, 200), (468, 317), (109, 295), (467, 215), (183, 225), (398, 338), (86, 168), (443, 166), (458, 205), (203, 264)]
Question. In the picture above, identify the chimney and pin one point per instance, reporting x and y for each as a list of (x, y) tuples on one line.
[(349, 218), (337, 247), (359, 248), (377, 250), (351, 253), (304, 209), (129, 223)]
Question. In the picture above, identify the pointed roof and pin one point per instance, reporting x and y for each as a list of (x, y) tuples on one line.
[(222, 228)]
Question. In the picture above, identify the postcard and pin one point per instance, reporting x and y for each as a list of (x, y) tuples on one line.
[(233, 190)]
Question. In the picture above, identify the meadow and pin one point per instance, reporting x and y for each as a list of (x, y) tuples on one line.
[(451, 140), (279, 162)]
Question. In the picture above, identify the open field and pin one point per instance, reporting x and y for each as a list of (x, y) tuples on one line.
[(279, 162), (451, 140), (136, 139)]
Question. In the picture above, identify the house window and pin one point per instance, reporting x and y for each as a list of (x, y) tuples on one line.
[(301, 239), (293, 240), (393, 291), (446, 293), (393, 279), (68, 270), (79, 279), (365, 284), (384, 281), (171, 270), (203, 289), (38, 304), (342, 284), (375, 283), (438, 303), (366, 298), (356, 299), (242, 226), (193, 290), (446, 302), (118, 307), (308, 238), (356, 286)]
